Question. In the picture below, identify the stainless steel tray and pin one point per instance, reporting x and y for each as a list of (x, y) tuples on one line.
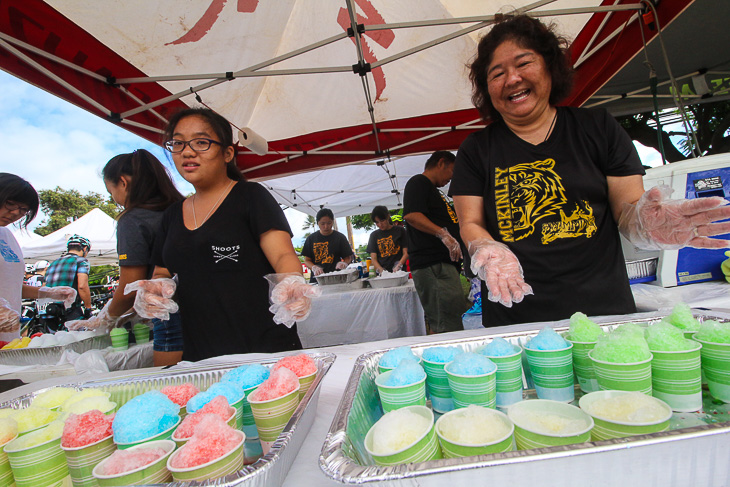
[(641, 268), (337, 277), (269, 470), (51, 355), (693, 452)]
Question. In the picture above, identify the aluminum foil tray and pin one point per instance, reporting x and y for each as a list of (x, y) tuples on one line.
[(383, 282), (691, 452), (51, 355), (337, 277), (641, 268), (269, 470)]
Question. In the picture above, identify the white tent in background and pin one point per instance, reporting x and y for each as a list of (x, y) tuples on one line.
[(24, 236), (97, 226)]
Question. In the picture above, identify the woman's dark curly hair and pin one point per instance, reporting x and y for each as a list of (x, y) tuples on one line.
[(529, 33)]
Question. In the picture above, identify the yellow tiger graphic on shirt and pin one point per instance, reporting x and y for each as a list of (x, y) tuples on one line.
[(322, 253), (527, 193), (386, 246)]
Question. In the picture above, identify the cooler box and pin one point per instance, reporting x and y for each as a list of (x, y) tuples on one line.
[(693, 178)]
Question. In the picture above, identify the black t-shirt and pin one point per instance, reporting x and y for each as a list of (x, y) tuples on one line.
[(549, 203), (136, 232), (422, 196), (388, 245), (327, 251), (223, 296)]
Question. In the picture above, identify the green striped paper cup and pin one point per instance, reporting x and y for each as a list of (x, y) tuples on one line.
[(231, 421), (252, 450), (396, 397), (154, 473), (271, 416), (453, 449), (305, 383), (635, 376), (676, 378), (473, 389), (437, 386), (220, 467), (583, 366), (238, 405), (716, 367), (82, 460), (425, 448), (6, 473), (165, 435), (509, 378), (39, 465), (248, 424), (529, 435), (552, 371), (606, 429)]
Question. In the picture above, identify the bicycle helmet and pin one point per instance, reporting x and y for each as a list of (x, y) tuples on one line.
[(41, 264), (78, 240), (396, 218)]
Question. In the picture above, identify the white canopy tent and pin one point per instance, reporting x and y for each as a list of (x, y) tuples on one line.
[(97, 226)]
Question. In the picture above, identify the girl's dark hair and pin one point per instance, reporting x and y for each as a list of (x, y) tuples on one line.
[(151, 186), (17, 189), (528, 33), (381, 213), (222, 130), (323, 213)]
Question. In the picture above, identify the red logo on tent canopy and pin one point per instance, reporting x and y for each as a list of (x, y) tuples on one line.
[(209, 18)]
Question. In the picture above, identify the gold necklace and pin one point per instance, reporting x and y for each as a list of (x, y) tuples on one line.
[(195, 221)]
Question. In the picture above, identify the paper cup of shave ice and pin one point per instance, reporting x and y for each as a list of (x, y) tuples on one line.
[(396, 397), (676, 378), (305, 383), (248, 425), (541, 423), (552, 372), (272, 415), (480, 390), (220, 467), (437, 386), (152, 473), (231, 421), (509, 378), (474, 430), (6, 473), (82, 460), (608, 427), (418, 438), (583, 366), (716, 368), (165, 435), (39, 465), (634, 376)]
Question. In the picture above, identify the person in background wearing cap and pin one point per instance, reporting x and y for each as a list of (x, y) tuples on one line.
[(72, 269), (18, 204), (39, 274), (387, 246)]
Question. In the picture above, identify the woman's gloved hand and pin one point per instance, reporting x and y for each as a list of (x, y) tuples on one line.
[(103, 320), (290, 296), (341, 265), (725, 266), (9, 318), (61, 293), (154, 297), (451, 244), (659, 223), (496, 265), (398, 266), (317, 270)]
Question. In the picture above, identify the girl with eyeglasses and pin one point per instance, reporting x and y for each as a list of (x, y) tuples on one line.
[(140, 183), (18, 202), (224, 242)]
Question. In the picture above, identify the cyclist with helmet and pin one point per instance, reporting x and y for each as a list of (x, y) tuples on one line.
[(39, 274), (72, 269)]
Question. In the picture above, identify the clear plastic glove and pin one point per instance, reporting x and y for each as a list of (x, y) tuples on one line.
[(9, 318), (398, 266), (725, 266), (341, 265), (290, 296), (154, 297), (61, 293), (317, 270), (496, 265), (103, 321), (659, 223), (451, 243)]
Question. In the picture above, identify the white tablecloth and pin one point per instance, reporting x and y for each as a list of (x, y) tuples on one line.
[(363, 315), (710, 294)]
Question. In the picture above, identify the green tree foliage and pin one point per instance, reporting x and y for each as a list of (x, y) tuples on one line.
[(62, 206), (309, 223), (364, 222)]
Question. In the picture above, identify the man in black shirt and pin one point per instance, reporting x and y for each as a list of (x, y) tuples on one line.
[(433, 245)]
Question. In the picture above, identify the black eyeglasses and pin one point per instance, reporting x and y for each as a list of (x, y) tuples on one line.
[(13, 206), (197, 145)]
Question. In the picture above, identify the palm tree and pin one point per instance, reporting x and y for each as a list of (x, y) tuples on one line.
[(309, 223)]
